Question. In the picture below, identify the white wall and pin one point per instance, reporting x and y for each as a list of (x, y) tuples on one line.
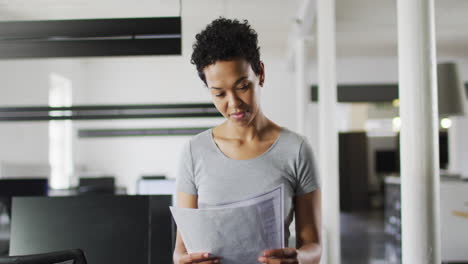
[(458, 158), (166, 79), (459, 155), (138, 80), (26, 83), (127, 80)]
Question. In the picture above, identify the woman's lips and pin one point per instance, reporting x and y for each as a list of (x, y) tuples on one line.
[(238, 116)]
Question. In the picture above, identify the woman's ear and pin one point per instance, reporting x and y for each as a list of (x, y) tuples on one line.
[(262, 74)]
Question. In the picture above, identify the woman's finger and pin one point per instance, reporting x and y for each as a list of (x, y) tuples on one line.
[(289, 261), (212, 261), (277, 252), (274, 260), (280, 253), (290, 252)]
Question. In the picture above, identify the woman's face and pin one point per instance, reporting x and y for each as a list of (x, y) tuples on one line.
[(235, 90)]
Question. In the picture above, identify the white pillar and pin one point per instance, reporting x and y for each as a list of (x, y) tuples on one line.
[(328, 134), (419, 132), (62, 175), (302, 95)]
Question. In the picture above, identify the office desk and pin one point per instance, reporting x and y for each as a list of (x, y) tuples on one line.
[(453, 216)]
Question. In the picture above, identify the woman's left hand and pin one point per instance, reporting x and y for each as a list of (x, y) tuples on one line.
[(279, 256)]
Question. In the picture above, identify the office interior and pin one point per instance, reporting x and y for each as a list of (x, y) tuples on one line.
[(79, 161)]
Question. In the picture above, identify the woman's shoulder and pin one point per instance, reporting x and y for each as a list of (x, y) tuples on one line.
[(202, 136), (291, 138), (200, 141)]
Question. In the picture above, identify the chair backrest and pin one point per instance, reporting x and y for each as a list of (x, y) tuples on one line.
[(21, 187), (117, 229), (72, 256)]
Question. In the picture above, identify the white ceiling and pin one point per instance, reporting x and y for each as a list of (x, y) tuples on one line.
[(364, 27), (369, 27)]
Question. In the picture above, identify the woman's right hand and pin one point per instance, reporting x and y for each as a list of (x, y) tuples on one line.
[(199, 258), (180, 255)]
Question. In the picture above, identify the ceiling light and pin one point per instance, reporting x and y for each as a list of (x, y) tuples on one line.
[(446, 123)]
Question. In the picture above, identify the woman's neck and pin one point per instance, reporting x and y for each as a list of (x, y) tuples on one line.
[(254, 130)]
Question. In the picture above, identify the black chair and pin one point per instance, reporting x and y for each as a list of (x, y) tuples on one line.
[(21, 187), (117, 229), (75, 256)]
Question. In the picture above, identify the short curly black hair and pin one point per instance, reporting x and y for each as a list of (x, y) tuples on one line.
[(226, 39)]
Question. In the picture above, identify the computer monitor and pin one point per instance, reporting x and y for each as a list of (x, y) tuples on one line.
[(21, 187), (150, 186), (386, 161), (96, 185), (443, 150), (109, 229), (154, 186)]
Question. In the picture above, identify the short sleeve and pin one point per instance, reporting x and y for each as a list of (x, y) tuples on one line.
[(307, 179), (185, 179)]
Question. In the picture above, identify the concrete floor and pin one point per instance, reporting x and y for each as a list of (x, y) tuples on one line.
[(363, 240)]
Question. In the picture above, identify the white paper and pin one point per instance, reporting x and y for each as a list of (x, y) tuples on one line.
[(236, 232)]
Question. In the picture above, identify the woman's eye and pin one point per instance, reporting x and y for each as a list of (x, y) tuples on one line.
[(244, 87), (219, 95)]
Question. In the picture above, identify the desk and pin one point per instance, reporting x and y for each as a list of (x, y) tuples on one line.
[(453, 216)]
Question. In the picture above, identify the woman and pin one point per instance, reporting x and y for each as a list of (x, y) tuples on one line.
[(247, 154)]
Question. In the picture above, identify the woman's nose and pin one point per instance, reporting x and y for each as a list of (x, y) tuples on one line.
[(234, 100)]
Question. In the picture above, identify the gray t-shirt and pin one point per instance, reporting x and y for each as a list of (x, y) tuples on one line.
[(205, 171)]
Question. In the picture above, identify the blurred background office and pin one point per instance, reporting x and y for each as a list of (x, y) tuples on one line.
[(125, 152)]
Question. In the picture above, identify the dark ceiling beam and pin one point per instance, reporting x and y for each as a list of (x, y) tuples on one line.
[(96, 112), (80, 28), (355, 93), (90, 37)]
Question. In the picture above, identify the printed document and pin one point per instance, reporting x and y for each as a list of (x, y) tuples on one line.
[(236, 232)]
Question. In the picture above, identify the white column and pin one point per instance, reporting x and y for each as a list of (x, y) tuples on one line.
[(328, 134), (419, 132), (302, 97), (62, 175)]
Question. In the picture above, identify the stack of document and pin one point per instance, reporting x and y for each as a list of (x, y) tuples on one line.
[(236, 232)]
